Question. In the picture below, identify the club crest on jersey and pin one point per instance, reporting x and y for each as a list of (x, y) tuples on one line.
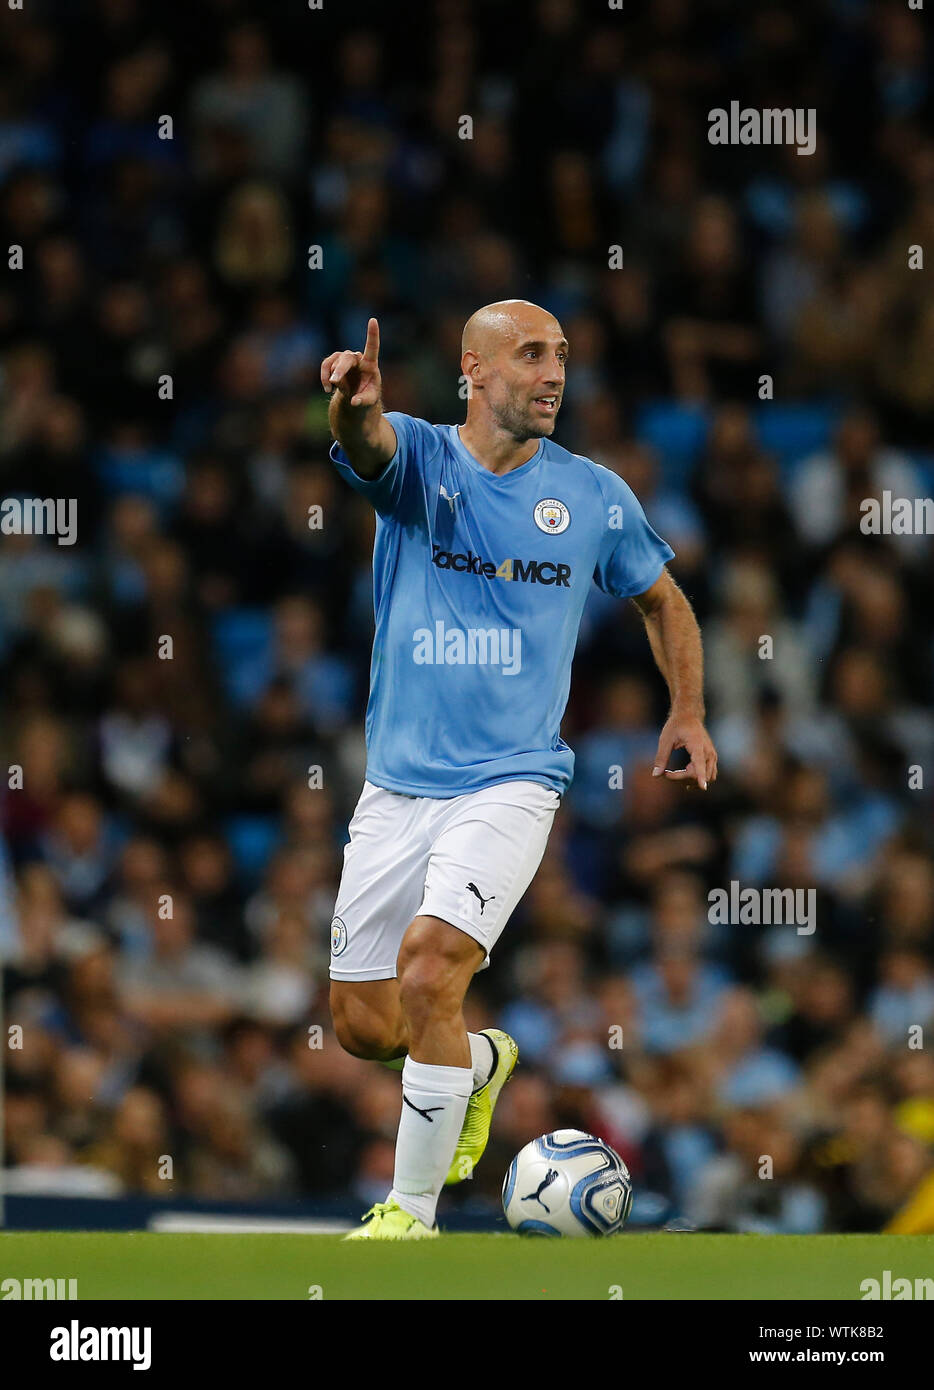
[(338, 936), (552, 516)]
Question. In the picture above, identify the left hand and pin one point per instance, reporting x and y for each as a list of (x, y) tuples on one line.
[(686, 731)]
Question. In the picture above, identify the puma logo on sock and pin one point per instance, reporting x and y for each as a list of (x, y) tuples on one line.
[(425, 1114)]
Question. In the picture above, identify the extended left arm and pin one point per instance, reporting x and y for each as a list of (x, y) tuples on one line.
[(676, 645)]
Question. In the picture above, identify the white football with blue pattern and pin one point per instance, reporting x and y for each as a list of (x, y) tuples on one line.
[(567, 1183)]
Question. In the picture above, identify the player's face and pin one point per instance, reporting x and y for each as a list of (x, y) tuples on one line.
[(526, 384)]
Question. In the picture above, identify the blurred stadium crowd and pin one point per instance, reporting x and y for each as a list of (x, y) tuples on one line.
[(188, 1036)]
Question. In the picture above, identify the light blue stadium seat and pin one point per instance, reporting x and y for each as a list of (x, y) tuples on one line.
[(794, 430), (252, 840), (925, 466), (677, 433), (242, 638), (151, 473)]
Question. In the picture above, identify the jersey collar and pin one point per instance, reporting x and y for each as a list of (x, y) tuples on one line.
[(474, 463)]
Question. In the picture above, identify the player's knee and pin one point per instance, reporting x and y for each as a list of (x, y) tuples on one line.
[(362, 1031), (429, 983)]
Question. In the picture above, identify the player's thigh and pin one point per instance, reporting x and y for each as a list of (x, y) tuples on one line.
[(381, 885), (485, 856)]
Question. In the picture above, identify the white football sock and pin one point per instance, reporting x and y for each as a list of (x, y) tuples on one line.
[(434, 1102), (483, 1059)]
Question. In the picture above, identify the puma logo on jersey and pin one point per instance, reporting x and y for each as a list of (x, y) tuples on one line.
[(450, 500)]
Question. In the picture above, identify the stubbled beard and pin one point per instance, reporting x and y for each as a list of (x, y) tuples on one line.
[(517, 420)]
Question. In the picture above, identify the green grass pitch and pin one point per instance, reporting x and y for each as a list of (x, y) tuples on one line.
[(659, 1265)]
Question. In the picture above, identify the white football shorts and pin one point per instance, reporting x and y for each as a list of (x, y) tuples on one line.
[(467, 859)]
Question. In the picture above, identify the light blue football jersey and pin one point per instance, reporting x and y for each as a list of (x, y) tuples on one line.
[(479, 582)]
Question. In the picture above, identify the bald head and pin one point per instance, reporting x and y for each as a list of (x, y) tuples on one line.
[(486, 331), (513, 359)]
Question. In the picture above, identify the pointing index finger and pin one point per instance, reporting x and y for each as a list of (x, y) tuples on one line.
[(371, 351)]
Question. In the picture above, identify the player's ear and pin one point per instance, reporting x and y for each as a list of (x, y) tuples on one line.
[(470, 368)]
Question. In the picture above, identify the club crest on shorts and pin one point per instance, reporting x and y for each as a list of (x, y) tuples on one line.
[(338, 936), (552, 516)]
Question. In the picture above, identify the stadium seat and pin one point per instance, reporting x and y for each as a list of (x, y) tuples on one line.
[(241, 640), (677, 433), (252, 840), (924, 463), (151, 473), (793, 431)]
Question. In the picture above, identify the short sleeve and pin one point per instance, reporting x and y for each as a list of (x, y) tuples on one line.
[(386, 490), (632, 556)]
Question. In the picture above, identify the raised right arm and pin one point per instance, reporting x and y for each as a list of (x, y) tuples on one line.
[(353, 382)]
